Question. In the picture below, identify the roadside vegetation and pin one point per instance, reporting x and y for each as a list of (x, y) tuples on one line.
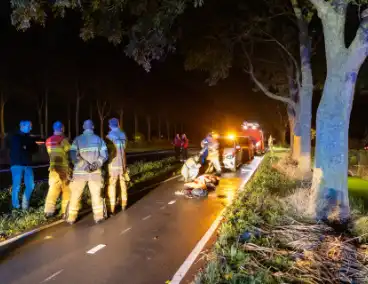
[(268, 236), (13, 222)]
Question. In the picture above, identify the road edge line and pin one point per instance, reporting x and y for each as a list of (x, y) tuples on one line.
[(184, 268), (44, 227)]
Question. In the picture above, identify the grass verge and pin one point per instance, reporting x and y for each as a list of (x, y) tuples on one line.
[(261, 241), (14, 222)]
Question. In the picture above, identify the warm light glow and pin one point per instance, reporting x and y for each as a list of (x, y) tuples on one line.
[(231, 136)]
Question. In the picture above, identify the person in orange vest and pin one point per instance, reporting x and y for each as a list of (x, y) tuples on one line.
[(58, 149)]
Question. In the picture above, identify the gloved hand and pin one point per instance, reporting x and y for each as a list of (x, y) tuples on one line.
[(94, 166)]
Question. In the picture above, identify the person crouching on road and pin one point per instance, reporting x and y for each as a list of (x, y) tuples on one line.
[(190, 169), (22, 146), (177, 146), (184, 147), (88, 153), (58, 149), (116, 142)]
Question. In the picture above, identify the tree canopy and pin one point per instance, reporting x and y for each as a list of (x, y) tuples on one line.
[(145, 28)]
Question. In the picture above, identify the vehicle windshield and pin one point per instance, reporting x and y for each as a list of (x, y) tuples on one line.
[(226, 143)]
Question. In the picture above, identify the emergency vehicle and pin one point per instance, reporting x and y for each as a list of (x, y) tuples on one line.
[(255, 133)]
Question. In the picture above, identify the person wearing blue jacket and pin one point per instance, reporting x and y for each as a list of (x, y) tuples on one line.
[(22, 146)]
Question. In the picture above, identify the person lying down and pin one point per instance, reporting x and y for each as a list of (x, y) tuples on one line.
[(201, 185)]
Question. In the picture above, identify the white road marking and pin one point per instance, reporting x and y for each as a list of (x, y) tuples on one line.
[(171, 202), (126, 230), (96, 249), (184, 268), (163, 207), (147, 217), (52, 276)]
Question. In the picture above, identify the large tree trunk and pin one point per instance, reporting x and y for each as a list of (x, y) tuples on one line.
[(333, 114), (46, 111), (302, 142), (291, 120), (305, 118), (282, 134), (2, 120), (331, 172)]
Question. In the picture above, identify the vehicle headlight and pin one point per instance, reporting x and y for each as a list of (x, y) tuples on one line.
[(258, 144)]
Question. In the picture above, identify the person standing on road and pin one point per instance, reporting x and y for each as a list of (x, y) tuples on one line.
[(88, 154), (211, 145), (177, 146), (22, 146), (116, 143), (58, 149), (184, 147)]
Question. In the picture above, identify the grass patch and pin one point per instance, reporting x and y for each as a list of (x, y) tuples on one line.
[(13, 222), (261, 242)]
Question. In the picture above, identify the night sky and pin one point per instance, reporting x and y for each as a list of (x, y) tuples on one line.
[(58, 56)]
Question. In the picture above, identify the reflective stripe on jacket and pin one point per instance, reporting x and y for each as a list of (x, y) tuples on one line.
[(58, 147), (116, 141)]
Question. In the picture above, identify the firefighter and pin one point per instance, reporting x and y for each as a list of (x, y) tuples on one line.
[(116, 142), (190, 169), (88, 154), (58, 149), (211, 146)]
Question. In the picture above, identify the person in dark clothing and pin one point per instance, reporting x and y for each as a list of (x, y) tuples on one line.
[(177, 146), (22, 146), (184, 147)]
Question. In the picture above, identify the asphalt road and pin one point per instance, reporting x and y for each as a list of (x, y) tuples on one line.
[(144, 245)]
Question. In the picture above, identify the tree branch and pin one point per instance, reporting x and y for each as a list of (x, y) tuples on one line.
[(297, 69), (264, 89), (360, 41)]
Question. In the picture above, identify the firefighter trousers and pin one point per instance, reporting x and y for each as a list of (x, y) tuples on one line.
[(58, 184), (216, 164), (111, 191), (76, 188)]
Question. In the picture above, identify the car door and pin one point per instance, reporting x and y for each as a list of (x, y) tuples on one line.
[(238, 152)]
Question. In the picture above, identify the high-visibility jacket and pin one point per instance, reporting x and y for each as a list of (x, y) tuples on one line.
[(58, 147), (116, 142), (87, 149)]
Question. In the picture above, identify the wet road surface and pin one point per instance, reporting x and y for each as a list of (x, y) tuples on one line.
[(145, 244)]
